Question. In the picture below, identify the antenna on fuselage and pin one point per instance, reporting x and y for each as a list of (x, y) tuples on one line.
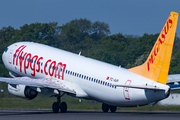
[(79, 53)]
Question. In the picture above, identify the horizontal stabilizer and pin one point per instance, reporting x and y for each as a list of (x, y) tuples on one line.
[(173, 78), (174, 87), (141, 87)]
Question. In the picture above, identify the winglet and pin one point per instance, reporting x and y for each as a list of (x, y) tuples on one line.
[(157, 64)]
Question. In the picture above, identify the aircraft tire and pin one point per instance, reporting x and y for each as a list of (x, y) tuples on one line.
[(105, 107), (113, 109), (55, 107), (63, 107)]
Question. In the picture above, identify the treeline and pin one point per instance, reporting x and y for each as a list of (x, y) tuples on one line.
[(93, 39)]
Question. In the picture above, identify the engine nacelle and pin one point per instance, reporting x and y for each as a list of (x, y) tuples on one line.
[(22, 91)]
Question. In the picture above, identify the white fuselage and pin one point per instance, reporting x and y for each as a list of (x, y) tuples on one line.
[(95, 78)]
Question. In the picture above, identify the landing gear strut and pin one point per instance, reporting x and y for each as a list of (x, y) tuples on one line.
[(106, 107), (59, 105)]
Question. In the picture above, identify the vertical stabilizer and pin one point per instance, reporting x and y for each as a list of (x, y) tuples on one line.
[(156, 66)]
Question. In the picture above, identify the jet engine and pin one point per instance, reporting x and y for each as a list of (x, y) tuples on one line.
[(22, 91)]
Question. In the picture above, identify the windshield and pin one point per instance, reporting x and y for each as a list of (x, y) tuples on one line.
[(6, 50)]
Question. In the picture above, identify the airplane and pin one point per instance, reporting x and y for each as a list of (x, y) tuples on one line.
[(34, 66)]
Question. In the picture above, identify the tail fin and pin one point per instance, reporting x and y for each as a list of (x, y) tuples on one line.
[(156, 66)]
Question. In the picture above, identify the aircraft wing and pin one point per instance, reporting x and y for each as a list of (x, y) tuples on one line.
[(60, 85)]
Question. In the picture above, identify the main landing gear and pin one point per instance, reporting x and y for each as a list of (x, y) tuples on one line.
[(105, 108), (56, 106)]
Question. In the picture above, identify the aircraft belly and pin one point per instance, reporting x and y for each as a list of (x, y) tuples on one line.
[(116, 97)]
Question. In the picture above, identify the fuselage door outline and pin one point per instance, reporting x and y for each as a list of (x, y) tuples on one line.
[(126, 90)]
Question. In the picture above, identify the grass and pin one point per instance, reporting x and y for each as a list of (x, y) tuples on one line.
[(44, 102)]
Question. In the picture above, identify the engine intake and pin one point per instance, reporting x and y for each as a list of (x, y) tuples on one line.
[(30, 93), (22, 91)]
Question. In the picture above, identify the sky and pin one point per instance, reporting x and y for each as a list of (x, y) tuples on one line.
[(131, 17)]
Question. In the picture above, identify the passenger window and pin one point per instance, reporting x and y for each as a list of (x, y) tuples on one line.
[(70, 72), (89, 78), (82, 76), (73, 73), (79, 75), (92, 79)]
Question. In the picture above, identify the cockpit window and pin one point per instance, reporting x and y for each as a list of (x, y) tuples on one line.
[(6, 50)]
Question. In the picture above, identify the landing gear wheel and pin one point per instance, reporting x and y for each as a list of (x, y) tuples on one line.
[(55, 107), (105, 107), (63, 107), (113, 109), (59, 105)]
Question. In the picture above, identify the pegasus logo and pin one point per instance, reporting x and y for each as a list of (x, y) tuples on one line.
[(160, 41)]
